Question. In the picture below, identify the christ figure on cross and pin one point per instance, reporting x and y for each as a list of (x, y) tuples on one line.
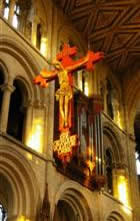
[(64, 66)]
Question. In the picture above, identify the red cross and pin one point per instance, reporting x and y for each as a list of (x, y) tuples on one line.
[(65, 55)]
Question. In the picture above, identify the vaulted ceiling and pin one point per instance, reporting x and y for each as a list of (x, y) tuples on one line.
[(112, 26)]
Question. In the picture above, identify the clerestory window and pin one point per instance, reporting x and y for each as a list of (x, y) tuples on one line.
[(16, 15), (6, 9), (3, 214)]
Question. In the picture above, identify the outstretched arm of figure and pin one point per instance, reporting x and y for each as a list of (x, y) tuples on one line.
[(93, 58), (77, 64), (44, 77), (48, 75), (89, 60)]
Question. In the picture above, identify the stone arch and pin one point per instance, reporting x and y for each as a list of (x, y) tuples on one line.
[(5, 71), (115, 162), (29, 64), (18, 108), (21, 180), (114, 138), (27, 91), (132, 96), (133, 106), (71, 193), (115, 216)]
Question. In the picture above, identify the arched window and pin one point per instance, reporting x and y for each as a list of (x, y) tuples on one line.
[(38, 37), (6, 9), (3, 214), (16, 15), (17, 111), (108, 167), (65, 212)]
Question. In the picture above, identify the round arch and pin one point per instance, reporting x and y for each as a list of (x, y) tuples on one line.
[(23, 56), (132, 96), (5, 71), (71, 193), (133, 107), (20, 178), (25, 87), (113, 137), (115, 216)]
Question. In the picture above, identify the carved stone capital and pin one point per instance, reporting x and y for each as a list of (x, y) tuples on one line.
[(8, 87)]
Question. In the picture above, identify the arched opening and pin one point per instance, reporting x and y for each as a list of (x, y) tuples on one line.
[(72, 203), (6, 198), (17, 111), (64, 212), (19, 192), (113, 157), (6, 9), (115, 216), (16, 16), (1, 76)]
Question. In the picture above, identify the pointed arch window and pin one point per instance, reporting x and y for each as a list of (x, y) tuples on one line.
[(6, 9), (16, 15)]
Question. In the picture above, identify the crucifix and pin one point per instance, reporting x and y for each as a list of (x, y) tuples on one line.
[(64, 66)]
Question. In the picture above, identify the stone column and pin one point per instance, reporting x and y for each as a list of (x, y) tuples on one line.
[(11, 11), (116, 110), (28, 121), (105, 96), (7, 91)]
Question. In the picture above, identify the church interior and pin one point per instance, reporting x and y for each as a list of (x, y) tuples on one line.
[(69, 142)]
